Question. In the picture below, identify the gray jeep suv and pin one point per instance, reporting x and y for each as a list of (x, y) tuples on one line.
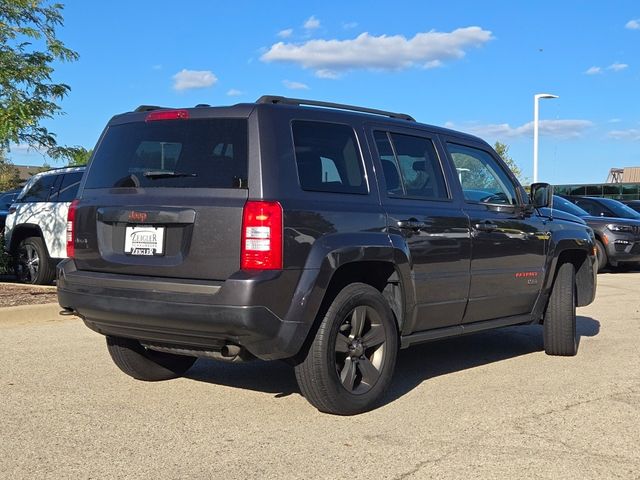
[(326, 235)]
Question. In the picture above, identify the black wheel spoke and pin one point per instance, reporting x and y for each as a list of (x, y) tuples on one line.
[(342, 344), (358, 319), (374, 337), (348, 374), (369, 372)]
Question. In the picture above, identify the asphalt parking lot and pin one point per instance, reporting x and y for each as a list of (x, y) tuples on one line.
[(491, 405)]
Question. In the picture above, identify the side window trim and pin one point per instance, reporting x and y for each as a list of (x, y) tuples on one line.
[(455, 141), (421, 134), (358, 148)]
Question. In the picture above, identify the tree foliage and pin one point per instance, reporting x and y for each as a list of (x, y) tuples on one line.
[(28, 95), (9, 174), (502, 149), (79, 156)]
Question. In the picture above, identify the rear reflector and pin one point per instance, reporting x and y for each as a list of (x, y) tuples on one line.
[(167, 115), (261, 236), (71, 235)]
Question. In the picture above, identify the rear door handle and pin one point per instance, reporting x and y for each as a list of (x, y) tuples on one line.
[(486, 226), (412, 224)]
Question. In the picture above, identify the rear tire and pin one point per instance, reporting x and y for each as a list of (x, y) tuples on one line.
[(32, 263), (559, 329), (144, 364), (350, 362), (601, 255)]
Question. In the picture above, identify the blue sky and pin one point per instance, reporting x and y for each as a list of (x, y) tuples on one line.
[(468, 65)]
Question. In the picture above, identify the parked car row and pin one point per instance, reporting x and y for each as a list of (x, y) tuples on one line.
[(35, 233), (36, 223), (616, 226)]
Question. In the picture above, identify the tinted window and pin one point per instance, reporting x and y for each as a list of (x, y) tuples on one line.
[(593, 208), (40, 190), (619, 209), (414, 170), (208, 153), (565, 205), (68, 188), (481, 176), (328, 158), (7, 199), (389, 165)]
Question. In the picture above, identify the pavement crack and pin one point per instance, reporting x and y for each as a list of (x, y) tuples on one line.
[(420, 465)]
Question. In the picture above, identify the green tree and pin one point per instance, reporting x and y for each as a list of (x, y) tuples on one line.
[(502, 149), (9, 175), (79, 156), (28, 95)]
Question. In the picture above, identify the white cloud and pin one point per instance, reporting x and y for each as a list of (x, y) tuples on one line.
[(632, 134), (324, 73), (617, 67), (286, 33), (157, 67), (563, 129), (295, 85), (312, 23), (188, 79), (593, 71), (633, 24), (349, 25), (234, 93), (427, 49)]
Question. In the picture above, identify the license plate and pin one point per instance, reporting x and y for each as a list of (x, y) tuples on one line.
[(144, 241)]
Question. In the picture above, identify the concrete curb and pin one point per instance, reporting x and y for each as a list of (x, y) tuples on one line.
[(23, 313)]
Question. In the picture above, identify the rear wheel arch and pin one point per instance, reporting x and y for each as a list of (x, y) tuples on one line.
[(23, 231), (383, 275)]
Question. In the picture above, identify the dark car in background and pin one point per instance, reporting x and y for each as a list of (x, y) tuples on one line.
[(6, 199), (617, 238), (634, 204)]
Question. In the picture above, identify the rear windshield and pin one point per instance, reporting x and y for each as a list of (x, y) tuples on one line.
[(207, 153)]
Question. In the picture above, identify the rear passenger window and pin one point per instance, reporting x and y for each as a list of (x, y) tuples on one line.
[(40, 190), (328, 157), (410, 166), (69, 188)]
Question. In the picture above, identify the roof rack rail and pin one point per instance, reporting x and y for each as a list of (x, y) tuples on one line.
[(147, 108), (341, 106)]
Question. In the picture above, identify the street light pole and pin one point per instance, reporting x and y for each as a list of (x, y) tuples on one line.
[(536, 99)]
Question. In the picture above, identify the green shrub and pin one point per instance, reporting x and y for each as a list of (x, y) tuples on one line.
[(5, 259)]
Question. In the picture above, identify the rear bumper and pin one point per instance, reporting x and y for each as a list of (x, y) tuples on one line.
[(183, 313)]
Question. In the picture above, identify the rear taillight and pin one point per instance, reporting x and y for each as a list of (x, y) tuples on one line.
[(71, 233), (167, 115), (261, 236)]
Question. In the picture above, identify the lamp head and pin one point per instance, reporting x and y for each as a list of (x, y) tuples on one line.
[(545, 95)]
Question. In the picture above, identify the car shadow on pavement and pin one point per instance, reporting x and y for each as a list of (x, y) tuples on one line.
[(429, 360), (271, 377), (414, 366)]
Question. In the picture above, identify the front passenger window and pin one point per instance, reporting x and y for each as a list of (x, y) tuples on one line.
[(482, 179)]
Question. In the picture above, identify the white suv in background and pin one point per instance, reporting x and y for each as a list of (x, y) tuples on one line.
[(36, 226)]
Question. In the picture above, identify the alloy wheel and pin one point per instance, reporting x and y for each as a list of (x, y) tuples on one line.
[(28, 263), (360, 348)]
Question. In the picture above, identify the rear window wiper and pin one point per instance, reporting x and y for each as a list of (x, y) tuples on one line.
[(152, 174)]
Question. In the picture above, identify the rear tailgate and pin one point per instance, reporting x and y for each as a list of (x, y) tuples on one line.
[(165, 198)]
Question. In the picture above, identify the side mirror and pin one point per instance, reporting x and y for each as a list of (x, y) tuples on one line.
[(541, 195)]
